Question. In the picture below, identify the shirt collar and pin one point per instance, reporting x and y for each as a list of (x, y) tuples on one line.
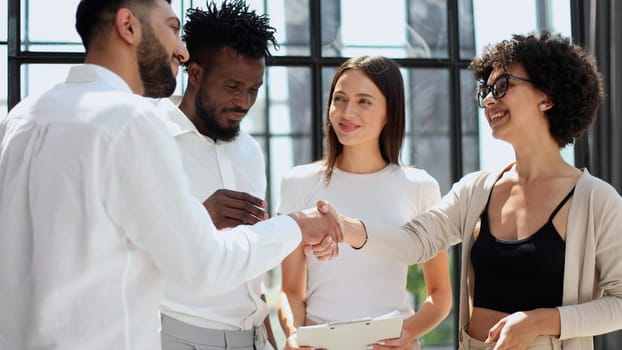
[(176, 121), (90, 72)]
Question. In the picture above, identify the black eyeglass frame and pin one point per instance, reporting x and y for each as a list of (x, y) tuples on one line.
[(484, 89)]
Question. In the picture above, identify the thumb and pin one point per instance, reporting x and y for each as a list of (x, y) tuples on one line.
[(323, 206), (495, 331), (307, 249)]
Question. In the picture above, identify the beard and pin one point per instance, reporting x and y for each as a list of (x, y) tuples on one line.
[(215, 131), (153, 64)]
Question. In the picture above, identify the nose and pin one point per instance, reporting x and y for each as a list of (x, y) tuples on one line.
[(348, 109), (245, 99), (489, 99), (182, 52)]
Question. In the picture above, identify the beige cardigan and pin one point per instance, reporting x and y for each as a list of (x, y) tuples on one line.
[(592, 301)]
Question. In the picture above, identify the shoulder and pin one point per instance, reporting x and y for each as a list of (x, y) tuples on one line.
[(131, 117), (113, 113), (476, 181), (120, 107), (303, 176), (471, 191), (306, 171), (597, 191)]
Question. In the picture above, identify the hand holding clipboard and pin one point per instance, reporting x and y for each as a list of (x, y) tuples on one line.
[(353, 334)]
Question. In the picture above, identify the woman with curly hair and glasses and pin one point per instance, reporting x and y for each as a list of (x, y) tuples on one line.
[(540, 239)]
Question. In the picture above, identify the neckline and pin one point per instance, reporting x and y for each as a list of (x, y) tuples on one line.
[(380, 171), (486, 220)]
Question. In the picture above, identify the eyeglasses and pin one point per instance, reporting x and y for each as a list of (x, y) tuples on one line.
[(499, 88)]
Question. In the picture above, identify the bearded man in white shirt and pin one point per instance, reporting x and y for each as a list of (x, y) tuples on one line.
[(93, 198), (228, 47)]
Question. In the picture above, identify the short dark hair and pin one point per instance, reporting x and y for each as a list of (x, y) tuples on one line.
[(93, 16), (566, 72), (232, 25), (385, 74)]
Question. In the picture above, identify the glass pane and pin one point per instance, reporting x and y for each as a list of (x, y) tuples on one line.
[(53, 47), (289, 100), (291, 20), (469, 114), (3, 82), (427, 112), (46, 23), (37, 78), (416, 28), (559, 19), (491, 28), (465, 26), (427, 29)]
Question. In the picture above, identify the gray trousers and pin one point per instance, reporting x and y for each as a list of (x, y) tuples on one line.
[(178, 335)]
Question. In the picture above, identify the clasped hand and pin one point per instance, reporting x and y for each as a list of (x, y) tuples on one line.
[(322, 230), (321, 227)]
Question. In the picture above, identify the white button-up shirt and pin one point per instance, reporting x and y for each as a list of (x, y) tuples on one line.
[(93, 201), (236, 165)]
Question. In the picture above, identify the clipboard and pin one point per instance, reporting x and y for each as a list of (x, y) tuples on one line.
[(351, 335)]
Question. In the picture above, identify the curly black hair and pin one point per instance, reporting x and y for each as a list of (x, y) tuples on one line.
[(566, 72), (232, 25)]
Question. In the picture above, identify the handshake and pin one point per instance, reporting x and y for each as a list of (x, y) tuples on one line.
[(322, 227)]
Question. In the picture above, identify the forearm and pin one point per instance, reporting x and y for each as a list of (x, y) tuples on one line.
[(291, 313), (598, 316), (434, 310), (547, 321), (268, 325)]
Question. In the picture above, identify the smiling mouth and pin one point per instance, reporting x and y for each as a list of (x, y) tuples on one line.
[(495, 116), (348, 127), (237, 116)]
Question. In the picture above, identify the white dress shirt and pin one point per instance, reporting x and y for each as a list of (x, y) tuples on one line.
[(236, 165), (93, 197)]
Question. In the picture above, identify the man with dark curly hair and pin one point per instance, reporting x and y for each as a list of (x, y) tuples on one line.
[(228, 46), (541, 241)]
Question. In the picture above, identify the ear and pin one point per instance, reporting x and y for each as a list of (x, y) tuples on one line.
[(545, 104), (127, 26), (195, 73)]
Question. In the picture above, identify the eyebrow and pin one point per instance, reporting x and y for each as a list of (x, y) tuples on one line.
[(359, 94), (363, 94)]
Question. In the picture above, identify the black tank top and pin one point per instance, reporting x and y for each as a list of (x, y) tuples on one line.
[(519, 275)]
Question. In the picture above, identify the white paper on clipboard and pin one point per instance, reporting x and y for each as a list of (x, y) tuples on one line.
[(351, 335)]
